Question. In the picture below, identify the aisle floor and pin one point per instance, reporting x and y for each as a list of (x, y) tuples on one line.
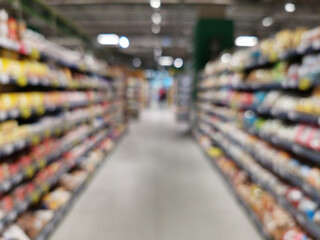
[(157, 185)]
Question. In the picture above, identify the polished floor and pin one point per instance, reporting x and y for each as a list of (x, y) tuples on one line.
[(157, 185)]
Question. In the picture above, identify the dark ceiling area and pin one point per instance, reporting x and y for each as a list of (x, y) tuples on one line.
[(132, 18)]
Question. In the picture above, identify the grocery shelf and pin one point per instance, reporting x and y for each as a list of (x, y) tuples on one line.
[(24, 81), (60, 213), (253, 217), (37, 165), (289, 146), (284, 85), (311, 227), (35, 139), (292, 147), (21, 207), (294, 116), (306, 187), (26, 113), (33, 53)]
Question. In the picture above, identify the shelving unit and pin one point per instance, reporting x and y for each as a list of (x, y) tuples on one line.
[(133, 95), (262, 112), (56, 117), (183, 96)]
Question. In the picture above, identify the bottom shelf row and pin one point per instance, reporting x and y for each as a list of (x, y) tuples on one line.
[(45, 214), (273, 221)]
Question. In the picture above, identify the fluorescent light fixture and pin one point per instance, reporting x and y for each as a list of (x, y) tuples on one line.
[(178, 63), (267, 21), (225, 58), (136, 62), (155, 29), (246, 41), (165, 61), (290, 7), (108, 39), (124, 42), (156, 18), (155, 3)]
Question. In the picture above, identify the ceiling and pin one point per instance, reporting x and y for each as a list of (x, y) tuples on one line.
[(132, 18)]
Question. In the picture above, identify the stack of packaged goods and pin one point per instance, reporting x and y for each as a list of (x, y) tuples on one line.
[(134, 98), (260, 107), (183, 97), (58, 121)]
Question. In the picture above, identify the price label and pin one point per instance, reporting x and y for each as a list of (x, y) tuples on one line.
[(22, 81), (35, 139), (304, 84), (30, 171), (25, 112), (35, 196)]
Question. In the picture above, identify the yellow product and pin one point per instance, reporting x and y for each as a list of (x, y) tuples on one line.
[(14, 68), (9, 101), (25, 100), (68, 73), (4, 65), (284, 40), (18, 134), (8, 126), (268, 51), (37, 99), (297, 36)]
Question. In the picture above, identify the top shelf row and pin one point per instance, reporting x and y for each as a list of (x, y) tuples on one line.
[(31, 45), (286, 45)]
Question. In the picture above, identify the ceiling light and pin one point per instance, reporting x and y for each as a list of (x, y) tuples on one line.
[(136, 62), (157, 51), (155, 29), (290, 7), (108, 39), (155, 3), (124, 42), (267, 21), (178, 63), (165, 61), (225, 58), (246, 41), (156, 18)]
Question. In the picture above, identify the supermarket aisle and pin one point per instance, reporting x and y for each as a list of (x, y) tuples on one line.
[(156, 186)]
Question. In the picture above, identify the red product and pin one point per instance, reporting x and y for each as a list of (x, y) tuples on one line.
[(13, 29), (25, 161), (7, 203), (30, 188), (20, 194), (303, 134), (247, 99), (14, 168), (294, 196)]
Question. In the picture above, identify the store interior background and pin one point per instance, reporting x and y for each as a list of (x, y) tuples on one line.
[(201, 136)]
